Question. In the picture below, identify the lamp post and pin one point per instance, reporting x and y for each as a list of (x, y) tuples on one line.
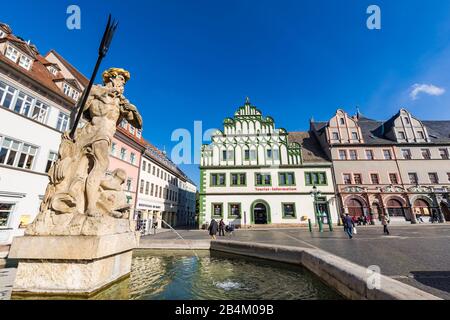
[(315, 194)]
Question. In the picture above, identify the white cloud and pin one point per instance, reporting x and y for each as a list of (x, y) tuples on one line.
[(429, 89)]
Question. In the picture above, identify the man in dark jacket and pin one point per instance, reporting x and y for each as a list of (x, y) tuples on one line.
[(221, 228), (348, 225), (213, 229)]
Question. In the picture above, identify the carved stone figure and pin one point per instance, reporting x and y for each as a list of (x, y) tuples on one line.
[(80, 199)]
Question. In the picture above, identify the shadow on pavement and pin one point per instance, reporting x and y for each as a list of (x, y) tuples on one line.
[(436, 279)]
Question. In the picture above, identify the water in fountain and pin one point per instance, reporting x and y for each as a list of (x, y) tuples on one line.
[(190, 247)]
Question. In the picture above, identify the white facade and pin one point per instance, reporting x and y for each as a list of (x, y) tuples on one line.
[(253, 173), (165, 195), (23, 185)]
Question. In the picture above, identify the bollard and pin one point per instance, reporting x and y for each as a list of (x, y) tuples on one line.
[(309, 225), (330, 223), (319, 219)]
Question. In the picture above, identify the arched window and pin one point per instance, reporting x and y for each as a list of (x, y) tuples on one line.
[(395, 208), (355, 207)]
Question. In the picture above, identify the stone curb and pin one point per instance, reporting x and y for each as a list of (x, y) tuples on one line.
[(348, 278), (176, 244)]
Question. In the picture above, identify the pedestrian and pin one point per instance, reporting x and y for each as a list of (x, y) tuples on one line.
[(221, 228), (348, 225), (385, 222), (213, 229)]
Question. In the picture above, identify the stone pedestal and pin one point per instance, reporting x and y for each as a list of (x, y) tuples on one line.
[(68, 265)]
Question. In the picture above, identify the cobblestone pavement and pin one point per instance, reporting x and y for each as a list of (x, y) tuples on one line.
[(418, 255)]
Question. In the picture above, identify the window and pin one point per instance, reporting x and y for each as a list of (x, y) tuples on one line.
[(160, 191), (347, 178), (149, 167), (139, 133), (5, 211), (355, 135), (433, 177), (413, 178), (66, 89), (234, 210), (246, 155), (2, 34), (269, 153), (393, 178), (12, 54), (357, 178), (387, 154), (39, 112), (157, 172), (335, 136), (123, 123), (132, 130), (217, 179), (52, 157), (263, 179), (147, 187), (123, 153), (374, 178), (144, 165), (401, 135), (406, 154), (238, 179), (315, 178), (369, 154), (141, 187), (227, 155), (421, 135), (341, 121), (63, 122), (153, 171), (17, 154), (426, 154), (152, 186), (286, 179), (443, 153), (353, 155), (113, 148), (132, 158), (25, 62), (7, 95), (342, 155), (23, 103), (448, 176), (217, 209), (128, 184), (276, 154), (288, 210)]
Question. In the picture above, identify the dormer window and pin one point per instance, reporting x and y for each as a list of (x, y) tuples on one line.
[(401, 135), (71, 92), (25, 62), (2, 34), (66, 89), (12, 54), (421, 135), (341, 121), (52, 70), (355, 135), (406, 120)]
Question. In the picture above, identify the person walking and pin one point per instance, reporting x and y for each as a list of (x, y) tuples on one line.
[(213, 229), (348, 225), (385, 222), (221, 228)]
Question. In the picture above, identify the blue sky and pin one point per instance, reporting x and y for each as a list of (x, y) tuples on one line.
[(198, 59)]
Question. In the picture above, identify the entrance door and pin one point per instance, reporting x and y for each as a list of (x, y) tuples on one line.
[(355, 208), (260, 213), (422, 208), (395, 208)]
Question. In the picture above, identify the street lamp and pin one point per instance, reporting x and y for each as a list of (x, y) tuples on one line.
[(315, 194)]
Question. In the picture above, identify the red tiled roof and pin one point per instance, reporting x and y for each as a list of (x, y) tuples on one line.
[(78, 75), (38, 72)]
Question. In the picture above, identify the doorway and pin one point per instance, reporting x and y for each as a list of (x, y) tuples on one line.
[(260, 213)]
